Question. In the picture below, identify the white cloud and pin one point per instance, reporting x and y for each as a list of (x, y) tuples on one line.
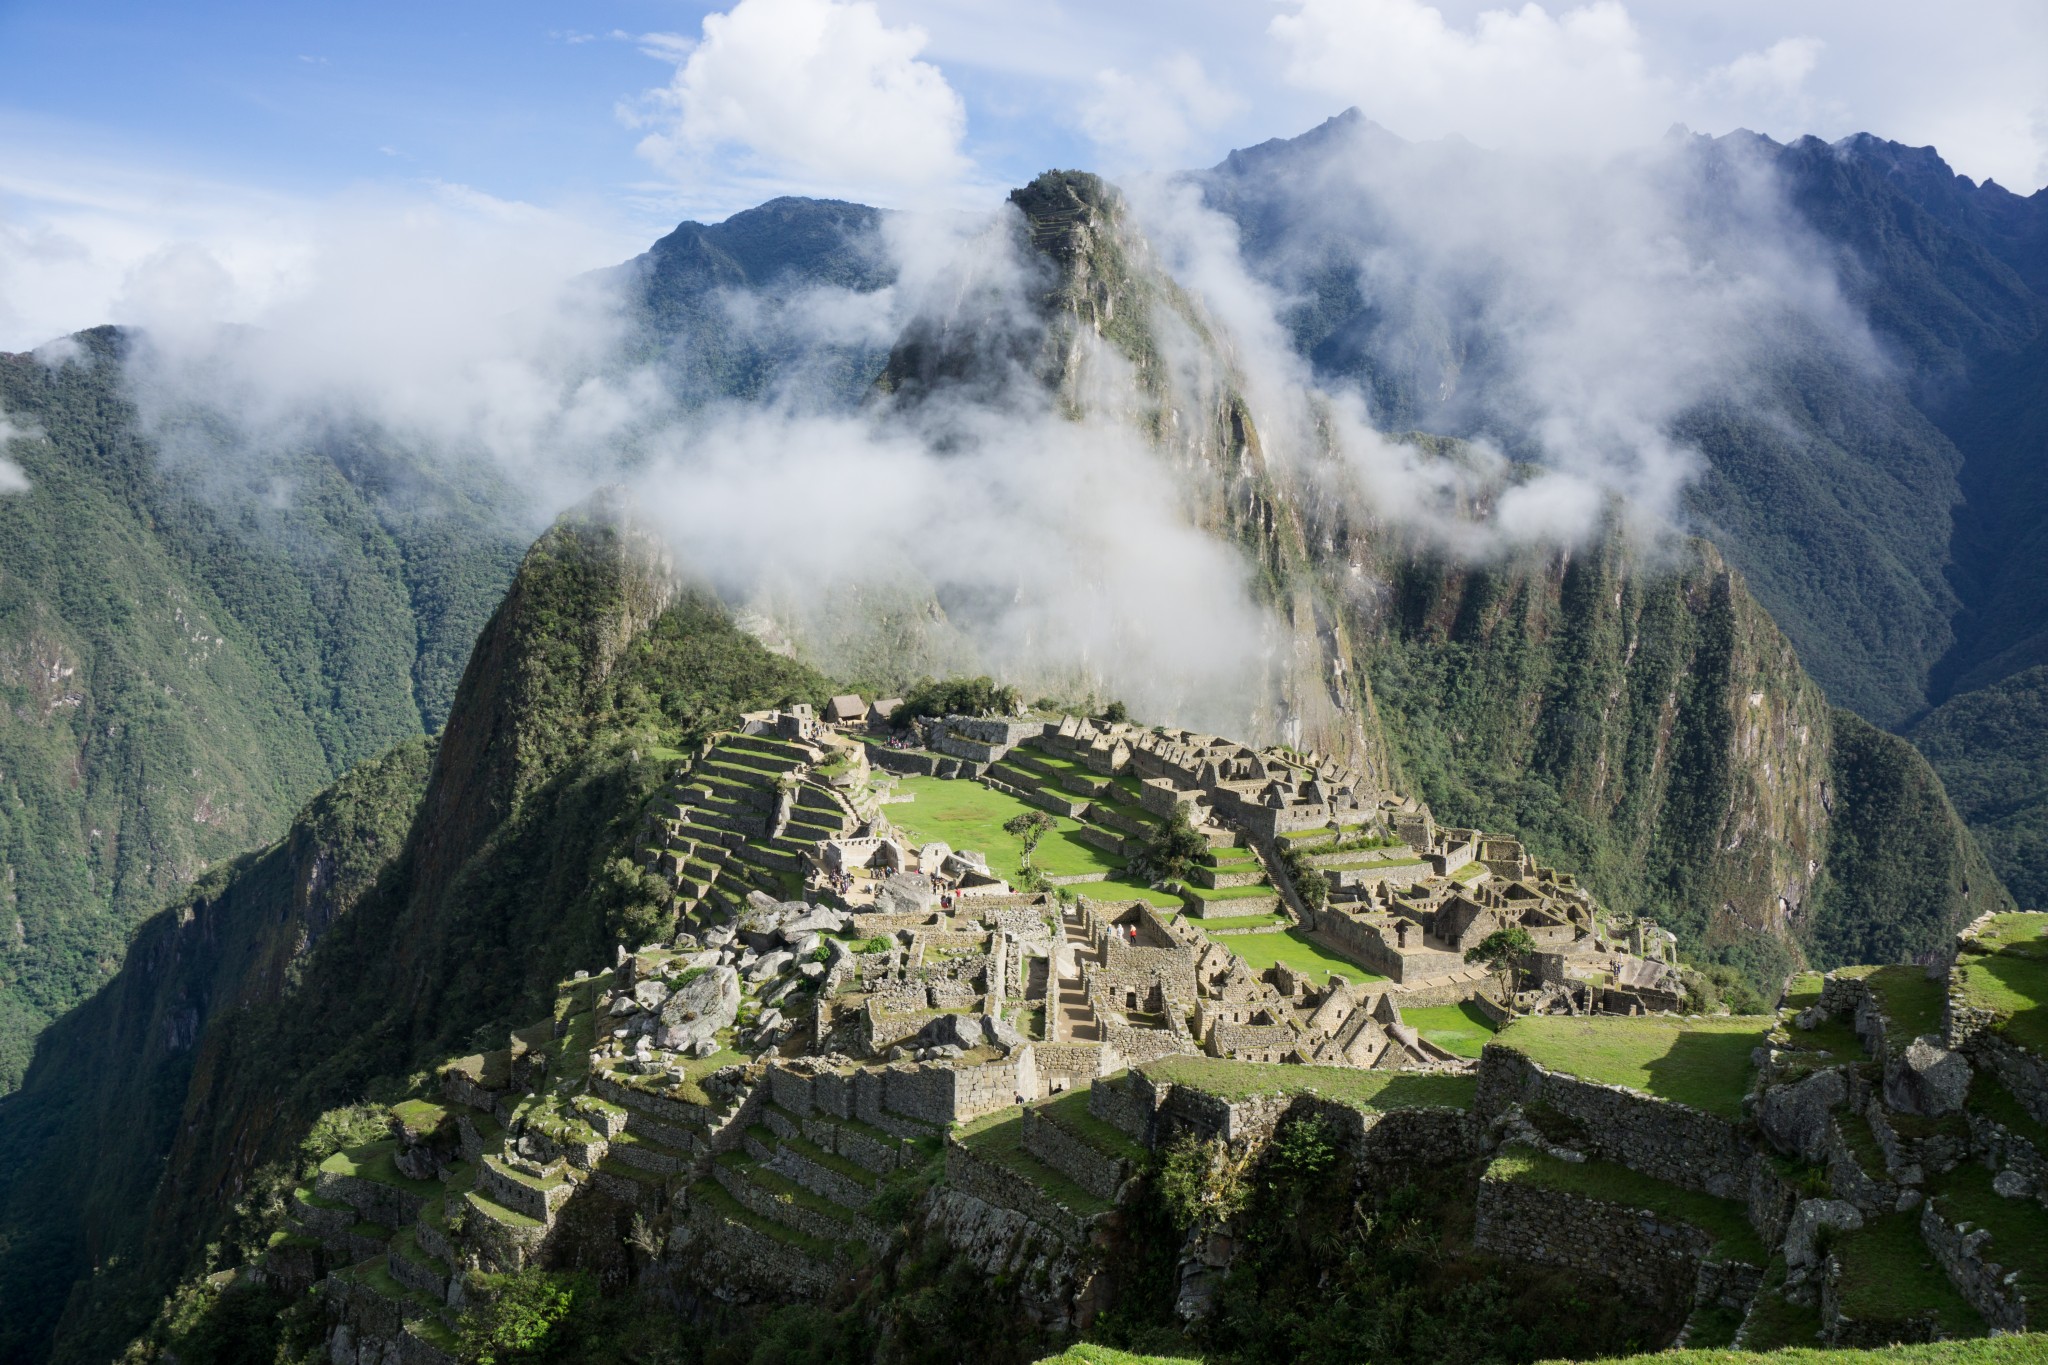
[(1584, 79), (1151, 118), (820, 91), (12, 478)]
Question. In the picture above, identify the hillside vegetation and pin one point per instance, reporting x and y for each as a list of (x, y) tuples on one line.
[(403, 913), (184, 661)]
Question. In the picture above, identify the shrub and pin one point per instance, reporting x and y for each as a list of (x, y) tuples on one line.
[(515, 1315), (1202, 1181)]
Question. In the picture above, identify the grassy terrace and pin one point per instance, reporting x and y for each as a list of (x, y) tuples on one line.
[(2012, 979), (1912, 1003), (375, 1163), (1297, 950), (1070, 1112), (1991, 1099), (1458, 1029), (1211, 923), (1888, 1274), (1373, 1091), (1699, 1061), (999, 1137), (2018, 1227), (969, 815), (2020, 1350), (1724, 1220)]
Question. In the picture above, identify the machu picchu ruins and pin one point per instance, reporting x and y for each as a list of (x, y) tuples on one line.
[(862, 1024)]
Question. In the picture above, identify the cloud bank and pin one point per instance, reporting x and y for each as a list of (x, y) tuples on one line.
[(821, 92)]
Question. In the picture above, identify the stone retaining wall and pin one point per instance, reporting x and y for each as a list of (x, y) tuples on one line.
[(1642, 1253), (375, 1203), (1660, 1138), (1960, 1254), (2020, 1071), (996, 1184), (1095, 1172)]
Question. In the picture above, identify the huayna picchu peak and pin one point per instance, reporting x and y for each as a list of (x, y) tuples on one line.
[(1426, 746)]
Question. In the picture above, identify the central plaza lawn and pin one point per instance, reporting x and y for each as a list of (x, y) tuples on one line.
[(1702, 1061), (1297, 950), (1458, 1029), (965, 814)]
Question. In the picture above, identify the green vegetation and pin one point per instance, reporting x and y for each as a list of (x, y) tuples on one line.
[(2018, 1227), (2013, 1350), (1888, 1275), (1368, 1090), (1583, 706), (1700, 1061), (1912, 1001), (512, 1317), (1991, 748), (1725, 1220), (2012, 980), (1458, 1029), (436, 928), (933, 698), (970, 815), (185, 658), (1174, 848), (1298, 951)]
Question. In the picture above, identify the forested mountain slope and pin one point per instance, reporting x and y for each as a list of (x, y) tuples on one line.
[(435, 893), (186, 657), (1632, 711), (1875, 471), (199, 628)]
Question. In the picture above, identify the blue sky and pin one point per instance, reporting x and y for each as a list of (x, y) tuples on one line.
[(224, 138)]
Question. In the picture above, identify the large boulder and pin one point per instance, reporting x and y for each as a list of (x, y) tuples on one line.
[(1795, 1117), (1802, 1233), (951, 1030), (904, 894), (698, 1009), (1001, 1032), (769, 964), (820, 920), (651, 993), (1928, 1079)]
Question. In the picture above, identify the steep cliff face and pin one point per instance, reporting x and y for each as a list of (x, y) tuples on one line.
[(1112, 337), (410, 907), (1634, 713)]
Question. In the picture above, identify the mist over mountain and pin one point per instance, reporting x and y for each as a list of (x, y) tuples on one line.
[(1636, 509)]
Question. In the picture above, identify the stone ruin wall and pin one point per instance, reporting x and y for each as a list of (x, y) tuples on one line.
[(1645, 1254), (1668, 1141)]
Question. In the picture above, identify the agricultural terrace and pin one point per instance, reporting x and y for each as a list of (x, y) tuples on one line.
[(1699, 1061), (2011, 979), (1372, 1091), (1724, 1220)]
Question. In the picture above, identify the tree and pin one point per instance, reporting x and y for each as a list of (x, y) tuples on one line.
[(1116, 713), (515, 1315), (982, 696), (1502, 950), (1174, 848), (1309, 882), (1031, 826)]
